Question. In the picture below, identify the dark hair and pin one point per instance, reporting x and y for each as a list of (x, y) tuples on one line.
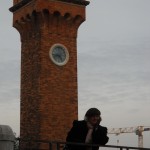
[(92, 112)]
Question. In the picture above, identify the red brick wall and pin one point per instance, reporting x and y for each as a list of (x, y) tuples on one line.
[(16, 1), (49, 93)]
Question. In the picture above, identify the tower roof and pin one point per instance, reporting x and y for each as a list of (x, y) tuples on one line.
[(6, 133), (24, 2)]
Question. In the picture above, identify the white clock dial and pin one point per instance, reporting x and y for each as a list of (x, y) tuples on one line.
[(59, 54)]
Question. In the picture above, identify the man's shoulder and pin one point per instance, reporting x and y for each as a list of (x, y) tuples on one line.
[(102, 128)]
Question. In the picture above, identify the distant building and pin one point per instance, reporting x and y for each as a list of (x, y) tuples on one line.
[(7, 138)]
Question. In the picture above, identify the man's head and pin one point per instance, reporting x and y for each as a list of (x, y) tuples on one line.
[(93, 115)]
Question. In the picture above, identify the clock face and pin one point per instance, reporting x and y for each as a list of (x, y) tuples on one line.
[(59, 54)]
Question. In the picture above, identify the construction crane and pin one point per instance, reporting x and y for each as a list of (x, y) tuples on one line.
[(137, 130)]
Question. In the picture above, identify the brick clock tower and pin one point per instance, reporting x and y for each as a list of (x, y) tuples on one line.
[(49, 95)]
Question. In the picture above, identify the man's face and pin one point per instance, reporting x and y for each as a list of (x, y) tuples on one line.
[(94, 119)]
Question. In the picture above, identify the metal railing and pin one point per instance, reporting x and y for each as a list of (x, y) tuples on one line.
[(58, 145)]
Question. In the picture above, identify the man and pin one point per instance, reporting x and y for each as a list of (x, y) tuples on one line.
[(88, 131)]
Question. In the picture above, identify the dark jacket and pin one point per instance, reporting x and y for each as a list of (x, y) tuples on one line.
[(78, 134)]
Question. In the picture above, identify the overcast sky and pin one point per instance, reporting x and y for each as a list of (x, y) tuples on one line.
[(113, 66)]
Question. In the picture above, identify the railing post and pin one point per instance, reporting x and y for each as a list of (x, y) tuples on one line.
[(58, 146), (50, 146), (19, 143), (29, 143)]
